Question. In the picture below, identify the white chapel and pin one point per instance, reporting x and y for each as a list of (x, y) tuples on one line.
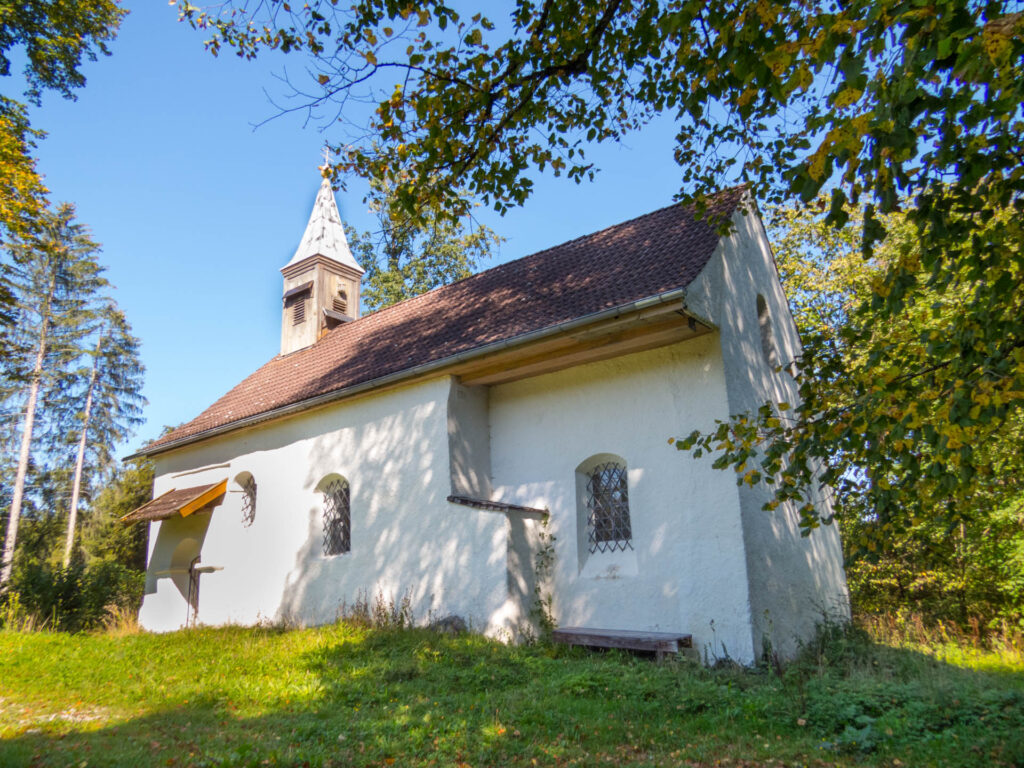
[(430, 450)]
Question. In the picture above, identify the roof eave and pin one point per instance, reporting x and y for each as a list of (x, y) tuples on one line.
[(419, 370)]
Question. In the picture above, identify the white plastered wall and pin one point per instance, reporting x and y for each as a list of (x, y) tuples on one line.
[(687, 571), (794, 580), (406, 538)]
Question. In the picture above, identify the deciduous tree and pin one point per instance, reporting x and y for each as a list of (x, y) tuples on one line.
[(53, 38), (953, 561), (873, 102), (412, 255)]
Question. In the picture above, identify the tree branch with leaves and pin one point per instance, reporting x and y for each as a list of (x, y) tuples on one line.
[(410, 255), (881, 106)]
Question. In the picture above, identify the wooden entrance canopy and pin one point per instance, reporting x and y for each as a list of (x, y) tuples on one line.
[(179, 501)]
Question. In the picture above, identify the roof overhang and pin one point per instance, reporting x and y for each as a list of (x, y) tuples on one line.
[(645, 324), (335, 319), (179, 503), (298, 290), (624, 333)]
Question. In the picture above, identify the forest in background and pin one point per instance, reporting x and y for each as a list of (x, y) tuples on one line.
[(70, 395)]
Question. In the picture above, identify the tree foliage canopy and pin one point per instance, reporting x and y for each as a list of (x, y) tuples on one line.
[(413, 255), (951, 561), (867, 97), (53, 37), (55, 278), (113, 367), (880, 104), (104, 536)]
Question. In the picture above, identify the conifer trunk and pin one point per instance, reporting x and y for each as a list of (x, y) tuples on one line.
[(26, 440), (76, 486)]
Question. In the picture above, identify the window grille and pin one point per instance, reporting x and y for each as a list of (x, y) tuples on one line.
[(249, 501), (608, 526), (337, 518)]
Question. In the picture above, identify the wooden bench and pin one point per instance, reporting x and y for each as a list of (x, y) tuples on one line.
[(661, 643)]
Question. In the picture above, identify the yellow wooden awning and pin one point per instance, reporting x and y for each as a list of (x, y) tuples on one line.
[(179, 501)]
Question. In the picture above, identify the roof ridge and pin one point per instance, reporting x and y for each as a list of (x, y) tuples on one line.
[(641, 217)]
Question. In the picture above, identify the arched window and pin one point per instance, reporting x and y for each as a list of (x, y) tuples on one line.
[(606, 488), (337, 515), (764, 325), (247, 483)]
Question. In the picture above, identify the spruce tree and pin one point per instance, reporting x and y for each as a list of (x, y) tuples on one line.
[(56, 278), (111, 406)]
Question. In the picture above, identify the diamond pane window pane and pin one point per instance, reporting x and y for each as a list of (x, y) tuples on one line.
[(248, 501), (608, 526), (337, 519)]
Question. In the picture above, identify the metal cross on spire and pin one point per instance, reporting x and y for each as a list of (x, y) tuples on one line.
[(327, 156)]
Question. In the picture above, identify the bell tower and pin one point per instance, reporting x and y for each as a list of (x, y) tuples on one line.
[(321, 282)]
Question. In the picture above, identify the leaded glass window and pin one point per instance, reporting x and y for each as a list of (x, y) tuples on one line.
[(337, 518), (248, 501), (608, 526)]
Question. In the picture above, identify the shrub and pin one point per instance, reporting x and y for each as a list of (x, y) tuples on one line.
[(72, 599)]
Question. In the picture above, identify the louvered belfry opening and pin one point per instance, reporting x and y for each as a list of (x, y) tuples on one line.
[(297, 304), (608, 526), (341, 303), (337, 518)]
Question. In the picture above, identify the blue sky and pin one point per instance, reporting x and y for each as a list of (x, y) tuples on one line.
[(197, 210)]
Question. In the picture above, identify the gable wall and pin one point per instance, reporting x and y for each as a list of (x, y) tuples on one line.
[(687, 567), (793, 580), (406, 538)]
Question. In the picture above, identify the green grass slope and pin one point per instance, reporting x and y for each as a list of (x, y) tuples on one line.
[(346, 695)]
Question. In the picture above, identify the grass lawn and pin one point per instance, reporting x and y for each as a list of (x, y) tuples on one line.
[(349, 695)]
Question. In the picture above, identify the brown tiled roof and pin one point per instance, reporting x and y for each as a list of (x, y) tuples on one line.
[(174, 501), (637, 259)]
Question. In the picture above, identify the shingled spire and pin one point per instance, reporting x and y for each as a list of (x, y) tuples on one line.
[(321, 282), (325, 234)]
